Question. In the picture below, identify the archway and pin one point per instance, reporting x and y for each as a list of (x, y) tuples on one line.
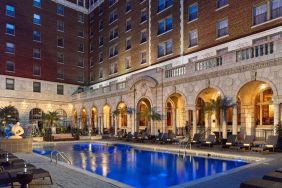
[(94, 118), (122, 116), (175, 113), (143, 112), (107, 118), (83, 119), (63, 118), (36, 118), (257, 109), (208, 120)]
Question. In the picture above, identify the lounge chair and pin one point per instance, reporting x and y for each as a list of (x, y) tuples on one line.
[(273, 176), (196, 138), (210, 141), (270, 143), (16, 168), (260, 183), (162, 139), (231, 141), (246, 144), (5, 179)]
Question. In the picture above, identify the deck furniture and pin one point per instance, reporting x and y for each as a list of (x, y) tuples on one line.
[(196, 138), (209, 141), (260, 183), (246, 144), (231, 141), (62, 137), (270, 144), (273, 176)]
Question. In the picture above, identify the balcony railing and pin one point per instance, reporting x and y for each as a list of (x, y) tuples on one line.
[(175, 72), (208, 64)]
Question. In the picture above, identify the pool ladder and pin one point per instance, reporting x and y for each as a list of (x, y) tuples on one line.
[(185, 148), (59, 154)]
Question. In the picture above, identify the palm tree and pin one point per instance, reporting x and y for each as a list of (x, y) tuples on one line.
[(150, 114), (50, 118), (8, 115)]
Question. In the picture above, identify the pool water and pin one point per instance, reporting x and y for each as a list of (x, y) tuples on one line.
[(140, 168)]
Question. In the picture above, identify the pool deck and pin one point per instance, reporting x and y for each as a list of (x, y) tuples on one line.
[(65, 176)]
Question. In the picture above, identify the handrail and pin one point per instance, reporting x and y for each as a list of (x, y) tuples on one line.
[(59, 153)]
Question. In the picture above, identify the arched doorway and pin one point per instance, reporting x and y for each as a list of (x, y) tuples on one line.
[(208, 116), (94, 118), (256, 109), (175, 113), (143, 114), (63, 118), (9, 115), (107, 120), (122, 116), (36, 118), (83, 119)]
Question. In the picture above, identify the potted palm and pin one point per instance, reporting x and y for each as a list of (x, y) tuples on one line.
[(50, 120)]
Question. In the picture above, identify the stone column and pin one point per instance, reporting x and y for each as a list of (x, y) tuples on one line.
[(116, 125), (102, 124), (276, 116), (235, 121), (224, 126), (194, 121)]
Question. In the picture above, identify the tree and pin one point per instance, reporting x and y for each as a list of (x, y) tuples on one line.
[(50, 118), (9, 114), (150, 114)]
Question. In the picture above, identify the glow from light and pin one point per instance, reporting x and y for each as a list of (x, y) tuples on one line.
[(262, 87)]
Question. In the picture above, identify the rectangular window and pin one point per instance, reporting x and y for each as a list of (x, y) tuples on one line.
[(10, 11), (113, 68), (143, 36), (37, 3), (37, 36), (128, 6), (101, 73), (60, 9), (222, 28), (60, 73), (36, 70), (91, 61), (260, 14), (143, 57), (143, 15), (193, 38), (36, 19), (101, 57), (128, 43), (10, 29), (193, 12), (163, 4), (113, 51), (36, 53), (81, 32), (113, 16), (165, 48), (37, 87), (80, 3), (80, 62), (128, 24), (60, 25), (60, 57), (101, 41), (128, 62), (276, 8), (60, 42), (165, 25), (10, 66), (112, 2), (10, 48), (81, 47), (80, 17), (60, 89), (10, 84), (114, 33), (101, 25), (221, 3), (80, 77)]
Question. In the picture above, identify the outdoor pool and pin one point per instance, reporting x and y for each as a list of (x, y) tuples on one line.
[(140, 168)]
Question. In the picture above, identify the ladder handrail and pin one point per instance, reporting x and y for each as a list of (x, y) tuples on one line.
[(59, 153)]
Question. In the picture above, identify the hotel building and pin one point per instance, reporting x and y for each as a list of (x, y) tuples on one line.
[(89, 60)]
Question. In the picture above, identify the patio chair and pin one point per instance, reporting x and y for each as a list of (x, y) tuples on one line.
[(16, 168), (231, 141), (159, 137), (271, 143), (273, 176), (5, 179), (129, 136), (210, 141), (162, 139), (196, 138), (248, 142), (260, 183)]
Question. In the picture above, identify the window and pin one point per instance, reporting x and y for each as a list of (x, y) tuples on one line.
[(60, 42), (165, 25), (36, 70), (81, 47), (165, 48), (60, 57), (92, 76), (100, 11), (128, 6), (101, 25), (193, 38), (193, 12), (37, 3), (80, 17), (10, 48), (128, 43), (81, 32), (101, 41), (112, 2), (101, 57), (10, 29), (260, 14), (143, 57), (221, 3), (80, 77), (91, 61), (10, 11), (143, 36), (60, 89), (60, 25), (222, 28), (37, 87), (10, 84), (143, 15), (114, 33), (36, 19), (80, 3), (36, 53), (128, 62), (113, 68), (128, 24), (60, 9), (10, 66), (276, 8), (37, 36), (80, 62), (60, 73), (113, 16), (101, 73), (163, 4), (113, 51)]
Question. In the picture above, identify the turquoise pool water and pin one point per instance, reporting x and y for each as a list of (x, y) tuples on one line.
[(140, 168)]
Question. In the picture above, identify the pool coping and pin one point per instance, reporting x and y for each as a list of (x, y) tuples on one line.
[(253, 160)]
